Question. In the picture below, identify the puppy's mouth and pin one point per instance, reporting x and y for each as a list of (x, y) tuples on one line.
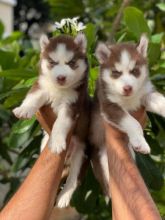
[(61, 83), (127, 94)]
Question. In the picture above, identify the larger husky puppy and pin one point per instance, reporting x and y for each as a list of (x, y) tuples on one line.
[(62, 83), (123, 86)]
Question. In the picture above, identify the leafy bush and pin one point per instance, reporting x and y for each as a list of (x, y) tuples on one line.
[(20, 139)]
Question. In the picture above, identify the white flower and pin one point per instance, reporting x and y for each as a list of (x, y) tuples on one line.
[(68, 22), (59, 25), (63, 22), (80, 26), (75, 19)]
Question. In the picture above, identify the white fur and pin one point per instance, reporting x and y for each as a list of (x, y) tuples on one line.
[(131, 151), (104, 163), (44, 140), (65, 195), (62, 56), (102, 52), (118, 127), (50, 92), (126, 63), (133, 129), (80, 40), (31, 104), (115, 89), (143, 45), (141, 86), (155, 102), (43, 42), (57, 96), (60, 130)]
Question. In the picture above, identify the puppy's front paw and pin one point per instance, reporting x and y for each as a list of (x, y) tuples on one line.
[(57, 144), (63, 199), (24, 112), (140, 145)]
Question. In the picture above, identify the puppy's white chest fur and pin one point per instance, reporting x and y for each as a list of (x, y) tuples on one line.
[(57, 96), (129, 104)]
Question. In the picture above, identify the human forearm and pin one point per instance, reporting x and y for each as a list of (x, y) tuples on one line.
[(35, 198), (130, 197)]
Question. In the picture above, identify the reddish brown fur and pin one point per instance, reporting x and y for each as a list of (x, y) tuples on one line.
[(116, 52), (35, 87), (70, 45)]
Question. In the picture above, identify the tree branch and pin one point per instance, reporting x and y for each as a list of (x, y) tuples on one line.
[(117, 20)]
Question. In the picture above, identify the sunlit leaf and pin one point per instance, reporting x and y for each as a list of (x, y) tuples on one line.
[(135, 21)]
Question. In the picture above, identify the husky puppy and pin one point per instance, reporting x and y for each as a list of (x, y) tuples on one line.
[(62, 83), (123, 86)]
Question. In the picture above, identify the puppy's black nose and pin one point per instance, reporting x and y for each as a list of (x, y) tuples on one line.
[(127, 90), (61, 79)]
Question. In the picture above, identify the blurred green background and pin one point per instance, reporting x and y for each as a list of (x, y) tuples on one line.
[(19, 56)]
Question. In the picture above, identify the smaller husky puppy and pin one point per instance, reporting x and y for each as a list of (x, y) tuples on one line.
[(123, 86), (62, 83)]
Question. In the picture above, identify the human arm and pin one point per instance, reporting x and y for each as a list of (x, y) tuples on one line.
[(35, 198), (130, 197)]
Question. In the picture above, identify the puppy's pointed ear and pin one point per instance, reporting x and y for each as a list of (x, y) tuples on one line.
[(102, 53), (143, 45), (43, 42), (81, 41)]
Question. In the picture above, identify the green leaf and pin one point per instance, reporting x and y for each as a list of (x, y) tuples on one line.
[(13, 93), (14, 99), (161, 138), (90, 33), (4, 153), (16, 35), (94, 73), (18, 140), (25, 83), (14, 184), (17, 74), (22, 126), (86, 196), (7, 59), (18, 163), (157, 38), (159, 197), (30, 58), (161, 6), (65, 8), (155, 145), (120, 39), (4, 114), (154, 53), (151, 174), (2, 28), (135, 21)]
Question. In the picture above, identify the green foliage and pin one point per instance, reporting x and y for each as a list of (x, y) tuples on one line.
[(89, 200), (20, 140), (135, 22), (62, 9), (161, 6)]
